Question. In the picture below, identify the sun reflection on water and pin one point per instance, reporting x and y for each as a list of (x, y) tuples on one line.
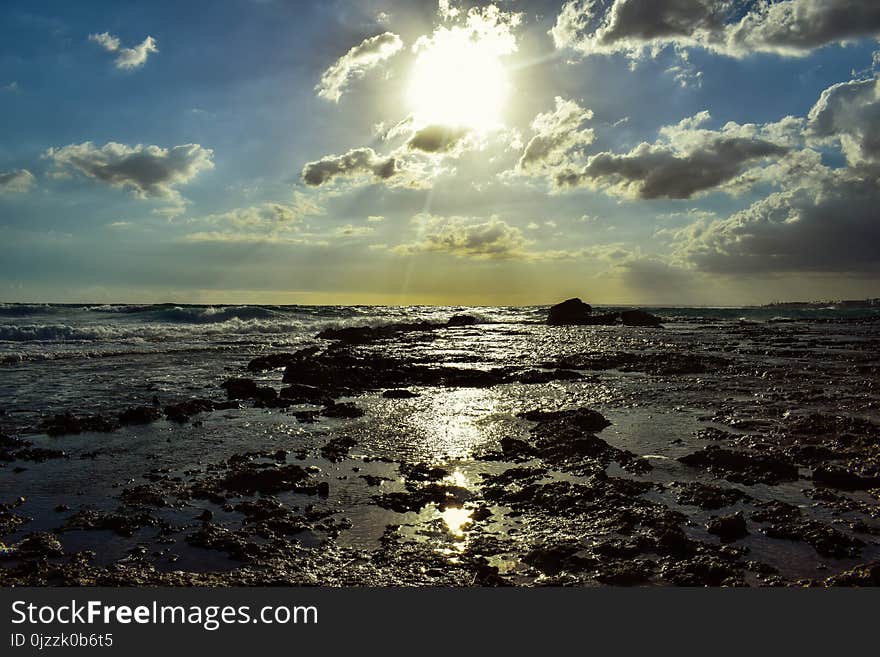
[(456, 520), (451, 426)]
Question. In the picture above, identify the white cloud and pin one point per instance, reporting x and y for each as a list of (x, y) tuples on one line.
[(356, 63), (17, 181), (126, 58), (557, 132), (850, 113), (488, 239)]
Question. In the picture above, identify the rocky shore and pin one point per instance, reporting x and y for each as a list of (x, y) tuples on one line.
[(759, 454)]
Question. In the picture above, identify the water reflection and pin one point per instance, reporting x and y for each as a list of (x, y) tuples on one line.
[(457, 520), (449, 425)]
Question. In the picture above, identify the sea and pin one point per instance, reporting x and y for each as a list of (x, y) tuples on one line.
[(91, 359)]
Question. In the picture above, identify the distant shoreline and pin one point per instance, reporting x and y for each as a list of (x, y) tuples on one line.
[(836, 305)]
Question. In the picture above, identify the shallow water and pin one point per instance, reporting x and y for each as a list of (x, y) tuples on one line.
[(102, 359)]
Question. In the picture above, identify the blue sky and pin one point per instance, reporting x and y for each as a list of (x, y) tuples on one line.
[(269, 151)]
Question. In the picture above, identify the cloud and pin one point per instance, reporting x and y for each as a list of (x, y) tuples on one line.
[(436, 138), (148, 171), (356, 162), (489, 239), (556, 133), (830, 227), (265, 215), (350, 230), (686, 161), (850, 113), (244, 238), (17, 181), (264, 222), (796, 27), (736, 28), (126, 58), (356, 63)]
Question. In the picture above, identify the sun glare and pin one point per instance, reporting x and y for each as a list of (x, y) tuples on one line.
[(458, 81)]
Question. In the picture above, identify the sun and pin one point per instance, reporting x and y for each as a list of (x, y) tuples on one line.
[(458, 80)]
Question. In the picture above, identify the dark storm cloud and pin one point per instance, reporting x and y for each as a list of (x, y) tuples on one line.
[(149, 171), (358, 161), (735, 27), (658, 171)]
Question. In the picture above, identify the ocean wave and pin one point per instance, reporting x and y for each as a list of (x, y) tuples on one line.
[(151, 332), (214, 314), (25, 309)]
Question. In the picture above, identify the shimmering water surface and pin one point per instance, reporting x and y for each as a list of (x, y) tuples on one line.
[(103, 359)]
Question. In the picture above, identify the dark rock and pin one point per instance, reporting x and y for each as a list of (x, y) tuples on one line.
[(843, 479), (139, 415), (514, 449), (708, 497), (422, 472), (742, 467), (183, 411), (703, 570), (565, 440), (863, 575), (68, 423), (239, 388), (461, 320), (826, 540), (37, 454), (265, 394), (571, 311), (373, 480), (639, 318), (399, 393), (9, 520), (728, 528), (584, 419), (253, 478), (303, 394), (307, 417), (667, 363), (145, 495), (415, 500), (364, 334), (337, 448), (775, 511), (123, 524), (39, 544), (543, 376), (345, 410)]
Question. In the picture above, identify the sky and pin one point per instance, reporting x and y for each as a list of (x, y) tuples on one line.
[(687, 152)]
